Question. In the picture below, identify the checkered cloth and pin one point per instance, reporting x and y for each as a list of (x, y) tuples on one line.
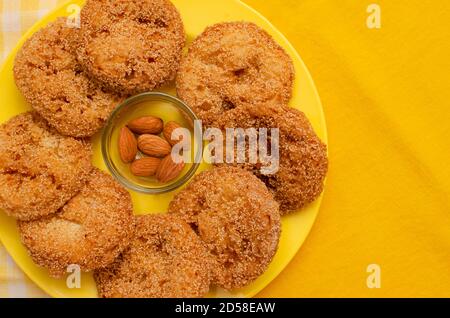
[(16, 17)]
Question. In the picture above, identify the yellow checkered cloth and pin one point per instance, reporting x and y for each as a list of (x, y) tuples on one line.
[(16, 17)]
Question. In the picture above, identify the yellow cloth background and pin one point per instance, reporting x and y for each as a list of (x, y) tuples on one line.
[(386, 98)]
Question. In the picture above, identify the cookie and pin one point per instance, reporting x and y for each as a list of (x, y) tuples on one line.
[(231, 64), (302, 163), (236, 217), (90, 230), (40, 170), (131, 46), (51, 80), (164, 260)]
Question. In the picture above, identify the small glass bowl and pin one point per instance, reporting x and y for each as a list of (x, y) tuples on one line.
[(157, 104)]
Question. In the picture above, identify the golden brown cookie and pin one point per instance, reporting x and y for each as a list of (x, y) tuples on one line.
[(40, 170), (48, 75), (303, 162), (90, 231), (164, 260), (236, 217), (231, 64), (131, 46)]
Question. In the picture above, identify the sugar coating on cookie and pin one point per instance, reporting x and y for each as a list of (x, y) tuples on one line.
[(236, 217), (40, 170), (303, 162), (131, 46), (165, 259), (51, 80), (90, 230), (231, 64)]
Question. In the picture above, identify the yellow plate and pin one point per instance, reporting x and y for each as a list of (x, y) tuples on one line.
[(197, 14)]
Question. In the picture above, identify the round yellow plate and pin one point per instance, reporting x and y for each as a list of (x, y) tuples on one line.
[(197, 15)]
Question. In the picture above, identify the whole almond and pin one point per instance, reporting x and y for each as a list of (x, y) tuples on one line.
[(168, 130), (145, 167), (154, 146), (168, 170), (146, 125), (127, 145)]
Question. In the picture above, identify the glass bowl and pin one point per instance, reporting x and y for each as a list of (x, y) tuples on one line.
[(157, 104)]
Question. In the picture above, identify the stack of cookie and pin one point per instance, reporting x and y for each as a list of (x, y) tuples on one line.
[(223, 228)]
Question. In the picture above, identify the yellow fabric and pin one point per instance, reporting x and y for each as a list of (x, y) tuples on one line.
[(386, 98)]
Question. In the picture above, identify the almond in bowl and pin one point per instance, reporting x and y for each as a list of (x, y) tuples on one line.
[(152, 147), (146, 125), (145, 167)]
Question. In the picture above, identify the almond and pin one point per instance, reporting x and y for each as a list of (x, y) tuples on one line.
[(154, 146), (145, 167), (146, 125), (168, 170), (127, 145), (168, 130)]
